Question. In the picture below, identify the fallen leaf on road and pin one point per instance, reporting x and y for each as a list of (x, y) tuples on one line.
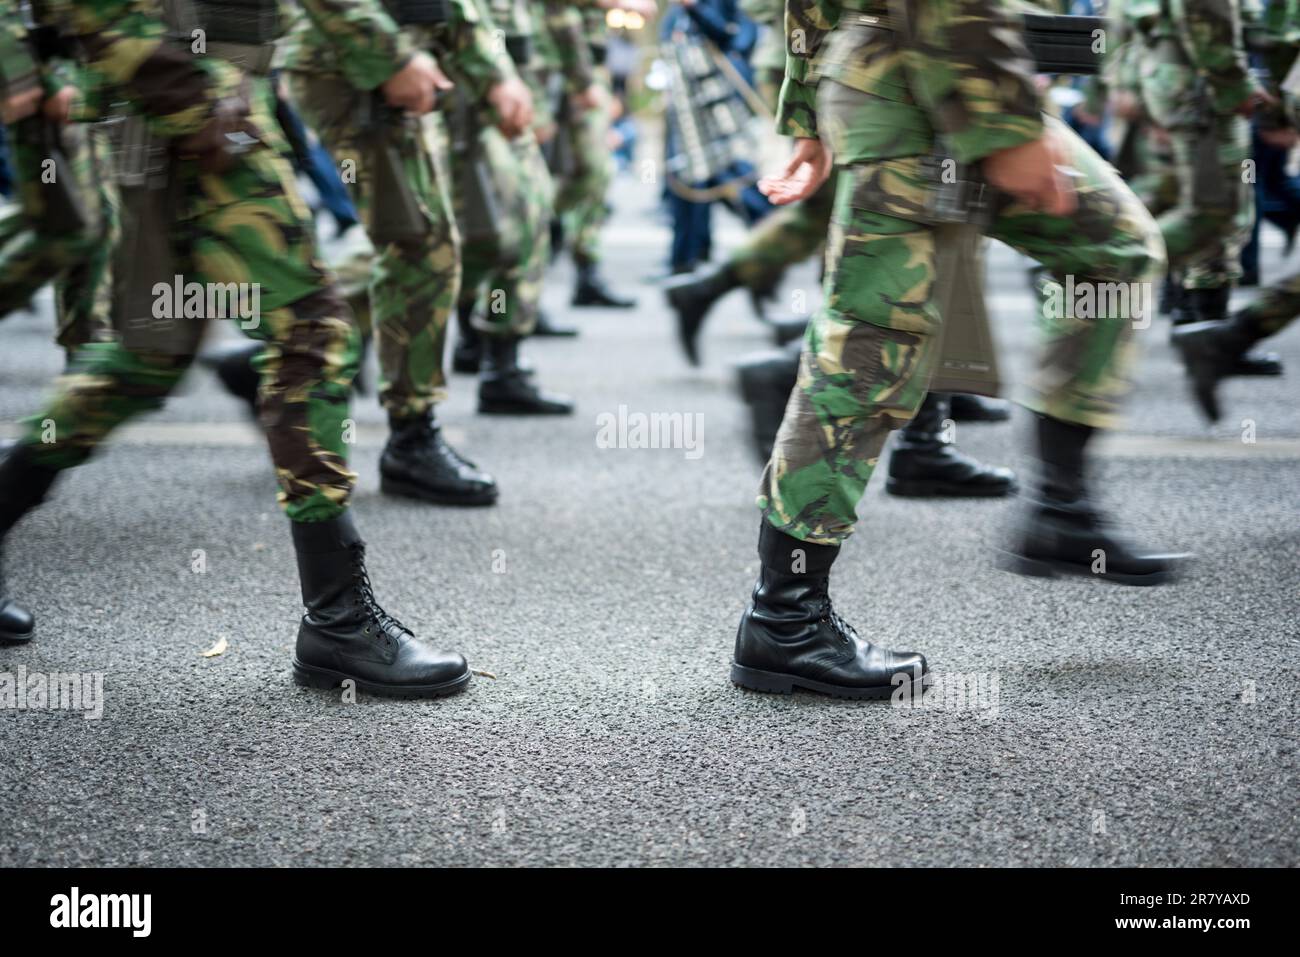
[(484, 674), (218, 649)]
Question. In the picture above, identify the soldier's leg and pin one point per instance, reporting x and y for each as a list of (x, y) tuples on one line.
[(250, 226), (34, 247), (413, 291), (1204, 232), (863, 372), (582, 205), (1105, 260), (83, 296), (514, 290), (788, 236)]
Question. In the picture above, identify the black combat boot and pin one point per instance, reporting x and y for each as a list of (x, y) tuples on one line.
[(233, 365), (766, 381), (505, 388), (591, 290), (419, 463), (788, 329), (346, 635), (977, 408), (1211, 305), (1215, 350), (691, 297), (790, 636), (552, 330), (926, 463), (467, 357), (1061, 532), (23, 485)]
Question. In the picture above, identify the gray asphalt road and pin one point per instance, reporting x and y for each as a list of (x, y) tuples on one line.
[(1113, 726)]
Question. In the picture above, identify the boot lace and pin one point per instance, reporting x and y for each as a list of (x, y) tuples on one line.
[(366, 596)]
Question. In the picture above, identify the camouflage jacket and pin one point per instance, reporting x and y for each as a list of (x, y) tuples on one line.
[(960, 69), (19, 68), (464, 46)]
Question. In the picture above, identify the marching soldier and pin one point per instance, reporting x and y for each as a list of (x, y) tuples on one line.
[(504, 204), (65, 225), (237, 218), (581, 200), (900, 85), (925, 461)]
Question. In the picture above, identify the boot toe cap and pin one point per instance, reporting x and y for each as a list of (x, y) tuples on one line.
[(16, 622)]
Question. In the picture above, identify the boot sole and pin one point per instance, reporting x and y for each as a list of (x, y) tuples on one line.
[(772, 682), (1039, 568), (14, 638), (944, 490), (309, 676), (405, 490)]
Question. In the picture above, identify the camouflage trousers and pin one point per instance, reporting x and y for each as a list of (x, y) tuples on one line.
[(35, 248), (1273, 309), (583, 191), (1210, 222), (250, 226), (869, 352), (505, 230), (414, 281)]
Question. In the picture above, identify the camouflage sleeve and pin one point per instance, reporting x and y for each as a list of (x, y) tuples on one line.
[(976, 76), (1211, 35), (568, 31), (19, 70), (126, 49), (807, 25), (369, 45), (473, 52)]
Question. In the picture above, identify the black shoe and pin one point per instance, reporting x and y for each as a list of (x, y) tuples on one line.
[(766, 381), (23, 485), (506, 389), (418, 463), (1054, 538), (691, 297), (546, 328), (233, 365), (1215, 350), (467, 357), (977, 408), (1061, 533), (347, 636), (788, 329), (790, 636), (924, 463), (591, 290)]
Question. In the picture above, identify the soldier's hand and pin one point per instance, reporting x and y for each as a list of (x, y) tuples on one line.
[(1126, 105), (59, 106), (227, 136), (415, 87), (513, 103), (809, 167), (1280, 137), (590, 98), (21, 105), (1035, 174), (1259, 99)]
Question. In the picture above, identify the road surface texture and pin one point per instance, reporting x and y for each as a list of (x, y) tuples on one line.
[(1101, 725)]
